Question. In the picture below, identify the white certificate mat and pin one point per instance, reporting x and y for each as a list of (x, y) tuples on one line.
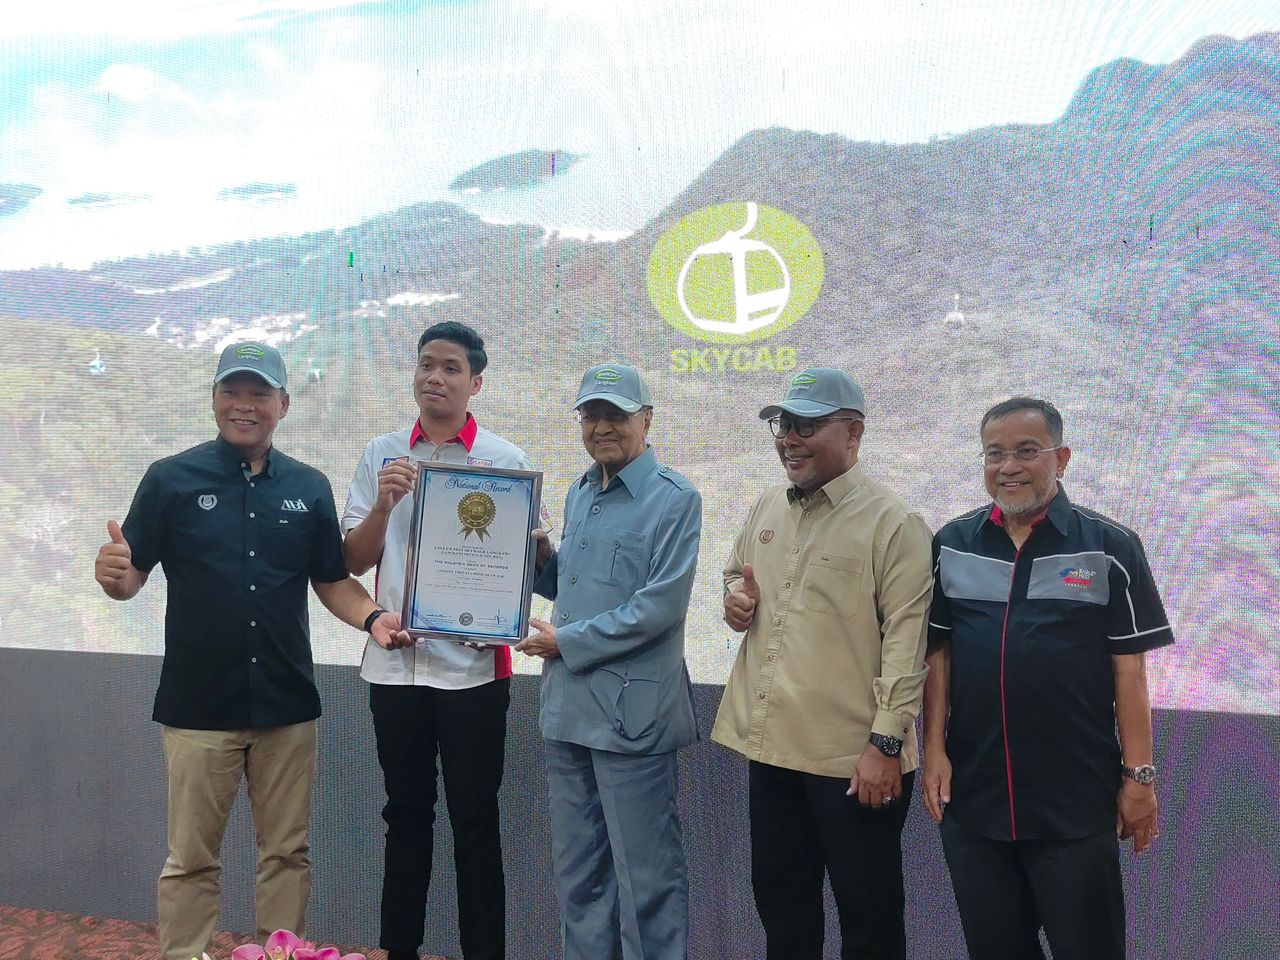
[(469, 574)]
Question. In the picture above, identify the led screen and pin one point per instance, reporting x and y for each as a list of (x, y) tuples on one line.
[(953, 202)]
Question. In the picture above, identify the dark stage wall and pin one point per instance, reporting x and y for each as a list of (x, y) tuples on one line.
[(82, 828)]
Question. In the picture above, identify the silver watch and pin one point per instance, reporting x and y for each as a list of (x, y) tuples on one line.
[(1144, 773)]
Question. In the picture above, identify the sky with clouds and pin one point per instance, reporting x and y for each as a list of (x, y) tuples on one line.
[(365, 107)]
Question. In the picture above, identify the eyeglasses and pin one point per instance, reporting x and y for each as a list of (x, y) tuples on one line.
[(804, 427), (609, 414), (993, 458)]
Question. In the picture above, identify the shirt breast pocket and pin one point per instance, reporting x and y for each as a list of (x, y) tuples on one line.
[(833, 585), (289, 544), (623, 553)]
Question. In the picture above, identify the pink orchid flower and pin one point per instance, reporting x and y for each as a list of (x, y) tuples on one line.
[(283, 945)]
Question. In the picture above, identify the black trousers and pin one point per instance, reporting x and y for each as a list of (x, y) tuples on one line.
[(1008, 890), (468, 729), (801, 825)]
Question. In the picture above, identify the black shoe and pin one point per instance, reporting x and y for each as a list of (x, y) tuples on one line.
[(402, 955)]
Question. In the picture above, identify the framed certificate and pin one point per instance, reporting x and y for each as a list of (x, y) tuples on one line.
[(469, 575)]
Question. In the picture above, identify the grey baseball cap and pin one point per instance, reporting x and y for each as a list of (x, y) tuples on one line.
[(260, 358), (614, 383), (817, 392)]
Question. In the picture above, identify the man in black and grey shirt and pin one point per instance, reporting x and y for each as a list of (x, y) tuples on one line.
[(240, 529), (1042, 613)]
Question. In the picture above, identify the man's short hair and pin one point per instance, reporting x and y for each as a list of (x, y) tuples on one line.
[(464, 337), (1052, 418)]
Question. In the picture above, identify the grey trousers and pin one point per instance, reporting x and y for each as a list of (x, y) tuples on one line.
[(618, 854)]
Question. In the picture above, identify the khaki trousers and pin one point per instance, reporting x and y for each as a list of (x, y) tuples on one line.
[(205, 768)]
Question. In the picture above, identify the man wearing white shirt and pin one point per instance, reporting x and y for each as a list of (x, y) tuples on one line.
[(435, 695)]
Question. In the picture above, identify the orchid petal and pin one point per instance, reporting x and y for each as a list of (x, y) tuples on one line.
[(281, 944), (250, 951), (326, 953)]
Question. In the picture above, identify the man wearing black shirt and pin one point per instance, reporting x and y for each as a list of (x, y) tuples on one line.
[(240, 528), (1042, 613)]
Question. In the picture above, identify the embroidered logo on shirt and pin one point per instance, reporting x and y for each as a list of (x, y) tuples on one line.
[(297, 506), (207, 501), (1077, 576), (476, 461), (766, 536)]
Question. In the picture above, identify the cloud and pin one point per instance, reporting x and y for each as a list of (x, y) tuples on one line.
[(138, 85), (152, 19)]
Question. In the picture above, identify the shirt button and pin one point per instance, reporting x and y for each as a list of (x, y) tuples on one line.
[(253, 623), (252, 515), (787, 585), (596, 508), (253, 659), (773, 657), (793, 549), (583, 544), (252, 484), (244, 466), (253, 553), (616, 544), (564, 615), (252, 587), (626, 683), (760, 695), (777, 621), (573, 579)]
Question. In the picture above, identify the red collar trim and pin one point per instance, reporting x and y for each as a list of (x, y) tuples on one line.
[(466, 436), (997, 517)]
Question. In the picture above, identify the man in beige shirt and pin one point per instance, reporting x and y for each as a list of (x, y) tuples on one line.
[(830, 579)]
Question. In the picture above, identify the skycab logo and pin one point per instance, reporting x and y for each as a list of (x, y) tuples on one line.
[(732, 275)]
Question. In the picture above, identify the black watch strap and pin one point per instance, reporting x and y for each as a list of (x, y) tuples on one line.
[(368, 621), (889, 746)]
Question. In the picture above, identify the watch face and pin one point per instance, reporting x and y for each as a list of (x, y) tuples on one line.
[(889, 746), (1144, 774)]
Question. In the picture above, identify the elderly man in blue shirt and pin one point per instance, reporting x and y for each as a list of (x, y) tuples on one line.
[(616, 700)]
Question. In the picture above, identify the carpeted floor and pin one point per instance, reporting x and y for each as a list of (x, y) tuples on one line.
[(27, 934)]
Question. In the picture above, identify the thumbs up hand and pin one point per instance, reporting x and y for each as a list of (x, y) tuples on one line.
[(740, 602), (113, 569)]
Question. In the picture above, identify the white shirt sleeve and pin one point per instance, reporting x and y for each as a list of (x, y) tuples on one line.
[(363, 490)]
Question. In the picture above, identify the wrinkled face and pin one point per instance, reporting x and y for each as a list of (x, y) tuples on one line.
[(1022, 488), (812, 462), (247, 409), (612, 437), (443, 383)]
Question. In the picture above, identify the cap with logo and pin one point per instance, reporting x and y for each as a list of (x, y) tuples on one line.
[(818, 392), (614, 383), (260, 358)]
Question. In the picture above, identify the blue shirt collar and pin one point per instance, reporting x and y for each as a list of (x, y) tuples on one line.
[(633, 475)]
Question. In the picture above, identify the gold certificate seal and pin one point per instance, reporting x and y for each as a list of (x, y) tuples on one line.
[(476, 511)]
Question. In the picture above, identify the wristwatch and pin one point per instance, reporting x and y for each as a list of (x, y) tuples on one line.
[(889, 746), (1143, 773), (368, 621)]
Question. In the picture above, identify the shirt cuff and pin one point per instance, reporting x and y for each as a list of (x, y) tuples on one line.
[(896, 725), (898, 701)]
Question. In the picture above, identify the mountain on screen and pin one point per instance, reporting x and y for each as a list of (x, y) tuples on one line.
[(15, 196), (1153, 189), (516, 171)]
